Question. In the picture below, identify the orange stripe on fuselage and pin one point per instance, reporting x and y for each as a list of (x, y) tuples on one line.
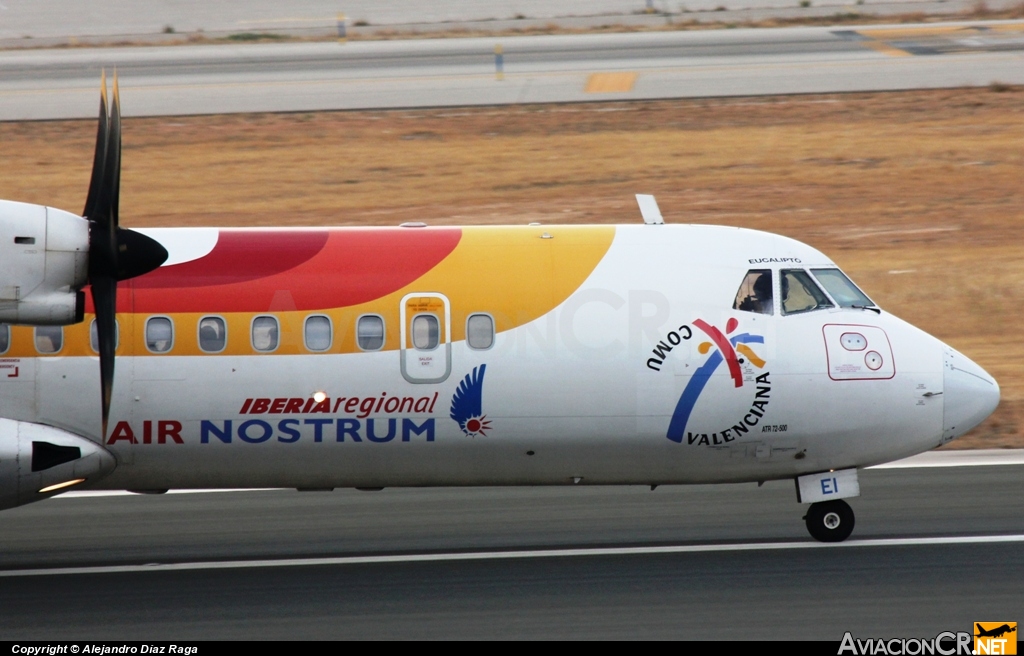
[(515, 274)]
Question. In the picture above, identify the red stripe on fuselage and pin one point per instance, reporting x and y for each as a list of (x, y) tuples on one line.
[(238, 257), (257, 271)]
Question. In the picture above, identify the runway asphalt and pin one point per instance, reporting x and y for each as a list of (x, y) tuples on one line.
[(63, 83), (23, 23), (935, 549)]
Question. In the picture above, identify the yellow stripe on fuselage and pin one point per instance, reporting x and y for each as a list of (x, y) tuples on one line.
[(515, 274)]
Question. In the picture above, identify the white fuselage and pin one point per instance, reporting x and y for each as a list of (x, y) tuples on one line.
[(590, 391)]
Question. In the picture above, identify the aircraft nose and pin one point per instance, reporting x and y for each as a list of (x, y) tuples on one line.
[(969, 394)]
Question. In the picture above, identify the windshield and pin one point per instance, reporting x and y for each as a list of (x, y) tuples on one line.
[(800, 293), (755, 292), (841, 288)]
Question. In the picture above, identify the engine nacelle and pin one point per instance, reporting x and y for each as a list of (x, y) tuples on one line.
[(44, 261), (38, 462)]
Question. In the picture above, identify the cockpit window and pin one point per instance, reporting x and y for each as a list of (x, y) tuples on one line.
[(841, 288), (755, 293), (800, 293)]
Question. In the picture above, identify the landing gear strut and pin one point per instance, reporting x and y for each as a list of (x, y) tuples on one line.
[(830, 521)]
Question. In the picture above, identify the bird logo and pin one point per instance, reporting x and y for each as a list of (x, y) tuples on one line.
[(467, 404)]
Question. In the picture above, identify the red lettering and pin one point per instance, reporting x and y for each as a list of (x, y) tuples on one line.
[(337, 404), (294, 407), (259, 406), (171, 429), (431, 411), (351, 404), (323, 406), (122, 432), (147, 432), (381, 402), (278, 406), (245, 407), (309, 404)]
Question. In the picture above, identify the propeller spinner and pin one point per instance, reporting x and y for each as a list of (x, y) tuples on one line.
[(115, 253)]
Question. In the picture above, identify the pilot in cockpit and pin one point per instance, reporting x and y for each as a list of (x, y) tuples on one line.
[(755, 294)]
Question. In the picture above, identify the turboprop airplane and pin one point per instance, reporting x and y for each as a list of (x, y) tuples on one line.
[(319, 358)]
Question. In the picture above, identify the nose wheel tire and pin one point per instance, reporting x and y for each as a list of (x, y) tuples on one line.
[(830, 521)]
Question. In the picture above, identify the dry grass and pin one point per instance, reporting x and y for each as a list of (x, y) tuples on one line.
[(919, 196)]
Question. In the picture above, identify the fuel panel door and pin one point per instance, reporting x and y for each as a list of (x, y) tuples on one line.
[(426, 338)]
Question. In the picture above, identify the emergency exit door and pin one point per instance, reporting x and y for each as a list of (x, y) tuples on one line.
[(426, 338)]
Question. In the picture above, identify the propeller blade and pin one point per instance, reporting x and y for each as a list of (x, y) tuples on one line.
[(105, 216), (99, 155), (114, 154), (104, 298), (114, 253)]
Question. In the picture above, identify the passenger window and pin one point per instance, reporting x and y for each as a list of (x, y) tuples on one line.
[(318, 333), (5, 338), (213, 334), (49, 339), (755, 293), (800, 293), (841, 288), (159, 334), (426, 331), (94, 336), (370, 332), (480, 331), (264, 334)]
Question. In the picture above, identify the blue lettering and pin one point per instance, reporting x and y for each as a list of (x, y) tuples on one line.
[(828, 486), (318, 427), (206, 428), (410, 428), (243, 431), (286, 427), (256, 431), (392, 429), (349, 427)]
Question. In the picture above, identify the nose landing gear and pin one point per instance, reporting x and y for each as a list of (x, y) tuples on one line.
[(830, 521)]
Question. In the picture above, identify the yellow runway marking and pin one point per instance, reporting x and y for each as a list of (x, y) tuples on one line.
[(881, 39), (610, 82), (914, 32), (886, 49), (1012, 27)]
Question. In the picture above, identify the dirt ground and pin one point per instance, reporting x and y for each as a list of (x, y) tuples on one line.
[(919, 196)]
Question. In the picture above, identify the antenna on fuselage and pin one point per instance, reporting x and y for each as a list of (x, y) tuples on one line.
[(649, 209)]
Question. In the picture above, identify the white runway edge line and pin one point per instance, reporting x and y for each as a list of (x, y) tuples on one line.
[(963, 458), (508, 555)]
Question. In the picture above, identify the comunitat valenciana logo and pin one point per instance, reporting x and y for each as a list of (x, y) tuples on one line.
[(735, 352), (987, 638)]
